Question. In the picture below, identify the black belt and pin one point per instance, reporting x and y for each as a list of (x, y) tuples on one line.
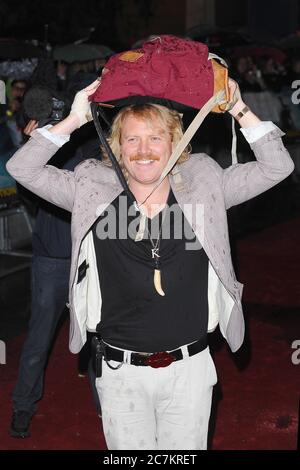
[(159, 359)]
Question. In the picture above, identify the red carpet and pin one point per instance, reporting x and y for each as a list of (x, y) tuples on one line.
[(257, 398), (259, 408), (66, 418), (269, 265)]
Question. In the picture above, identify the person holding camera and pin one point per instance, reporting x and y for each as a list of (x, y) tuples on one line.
[(51, 249), (44, 106)]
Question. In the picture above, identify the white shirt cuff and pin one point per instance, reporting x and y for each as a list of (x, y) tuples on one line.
[(253, 133), (57, 139)]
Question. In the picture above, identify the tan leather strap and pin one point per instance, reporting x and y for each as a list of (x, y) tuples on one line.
[(211, 55), (189, 133)]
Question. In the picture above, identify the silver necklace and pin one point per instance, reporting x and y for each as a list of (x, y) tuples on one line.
[(155, 247)]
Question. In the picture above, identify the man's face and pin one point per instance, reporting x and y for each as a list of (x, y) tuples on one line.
[(146, 147), (18, 89)]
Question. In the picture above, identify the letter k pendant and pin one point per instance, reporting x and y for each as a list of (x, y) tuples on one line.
[(154, 252)]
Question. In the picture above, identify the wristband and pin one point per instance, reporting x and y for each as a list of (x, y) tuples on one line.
[(242, 113)]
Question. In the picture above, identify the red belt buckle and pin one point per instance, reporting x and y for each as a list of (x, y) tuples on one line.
[(160, 359)]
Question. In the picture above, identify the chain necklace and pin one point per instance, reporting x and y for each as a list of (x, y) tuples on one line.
[(155, 247)]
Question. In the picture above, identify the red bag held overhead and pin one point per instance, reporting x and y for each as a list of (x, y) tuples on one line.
[(168, 70)]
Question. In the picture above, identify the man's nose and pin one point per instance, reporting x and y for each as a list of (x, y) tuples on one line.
[(144, 147)]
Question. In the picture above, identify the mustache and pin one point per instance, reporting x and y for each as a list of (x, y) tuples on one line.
[(138, 156)]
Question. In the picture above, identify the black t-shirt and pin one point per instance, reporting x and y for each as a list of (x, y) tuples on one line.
[(134, 316)]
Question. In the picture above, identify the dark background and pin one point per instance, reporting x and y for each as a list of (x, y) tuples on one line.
[(119, 23)]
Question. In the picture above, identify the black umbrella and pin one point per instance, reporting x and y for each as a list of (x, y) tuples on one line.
[(218, 39), (81, 52)]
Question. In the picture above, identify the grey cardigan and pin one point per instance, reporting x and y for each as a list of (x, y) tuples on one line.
[(88, 190)]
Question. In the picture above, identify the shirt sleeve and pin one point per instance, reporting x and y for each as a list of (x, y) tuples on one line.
[(57, 139), (253, 133)]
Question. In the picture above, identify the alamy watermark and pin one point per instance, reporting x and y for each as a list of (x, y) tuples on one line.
[(296, 95), (296, 354), (174, 223), (2, 352)]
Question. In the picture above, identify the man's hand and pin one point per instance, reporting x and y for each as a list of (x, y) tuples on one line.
[(81, 107), (235, 97), (239, 110), (80, 112)]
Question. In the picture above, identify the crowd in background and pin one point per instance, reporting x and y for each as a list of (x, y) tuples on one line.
[(270, 81)]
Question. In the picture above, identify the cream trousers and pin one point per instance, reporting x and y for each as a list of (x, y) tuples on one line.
[(166, 408)]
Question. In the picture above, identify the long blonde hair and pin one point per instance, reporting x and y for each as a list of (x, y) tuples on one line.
[(170, 119)]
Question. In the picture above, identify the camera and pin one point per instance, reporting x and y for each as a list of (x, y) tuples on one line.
[(44, 105), (58, 109)]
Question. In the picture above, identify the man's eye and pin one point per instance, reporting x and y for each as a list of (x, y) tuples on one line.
[(155, 139)]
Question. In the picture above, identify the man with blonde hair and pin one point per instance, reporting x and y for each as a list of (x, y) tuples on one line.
[(151, 299)]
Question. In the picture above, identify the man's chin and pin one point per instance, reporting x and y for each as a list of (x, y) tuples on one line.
[(146, 180)]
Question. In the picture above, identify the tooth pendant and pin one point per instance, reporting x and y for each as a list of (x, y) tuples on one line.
[(157, 282)]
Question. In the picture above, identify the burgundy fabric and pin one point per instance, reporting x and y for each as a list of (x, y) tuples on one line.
[(168, 67)]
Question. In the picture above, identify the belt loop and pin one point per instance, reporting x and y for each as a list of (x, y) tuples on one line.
[(185, 351), (126, 357)]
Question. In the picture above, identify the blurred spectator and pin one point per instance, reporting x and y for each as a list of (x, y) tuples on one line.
[(17, 89), (15, 93), (248, 75), (51, 244), (273, 73), (62, 75), (45, 73)]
